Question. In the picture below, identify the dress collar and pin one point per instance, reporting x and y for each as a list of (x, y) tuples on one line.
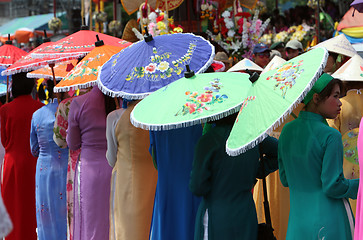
[(312, 116)]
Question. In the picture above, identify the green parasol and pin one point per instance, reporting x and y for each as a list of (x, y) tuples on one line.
[(193, 100), (273, 97)]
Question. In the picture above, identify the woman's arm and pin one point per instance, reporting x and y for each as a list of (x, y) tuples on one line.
[(34, 144), (112, 145), (282, 172)]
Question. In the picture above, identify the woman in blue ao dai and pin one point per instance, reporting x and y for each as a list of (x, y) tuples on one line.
[(51, 172)]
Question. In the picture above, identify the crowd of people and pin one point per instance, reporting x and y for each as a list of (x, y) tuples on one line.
[(76, 168)]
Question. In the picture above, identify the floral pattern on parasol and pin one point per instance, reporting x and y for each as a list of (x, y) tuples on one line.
[(159, 68), (273, 97), (146, 66), (197, 103), (286, 76)]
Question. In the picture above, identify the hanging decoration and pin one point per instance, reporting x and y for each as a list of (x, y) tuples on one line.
[(115, 27), (55, 24), (100, 17)]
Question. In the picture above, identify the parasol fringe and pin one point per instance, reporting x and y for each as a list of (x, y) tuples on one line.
[(128, 96), (33, 66), (74, 87), (20, 69), (60, 55), (131, 96), (154, 127), (277, 123), (5, 65), (37, 75)]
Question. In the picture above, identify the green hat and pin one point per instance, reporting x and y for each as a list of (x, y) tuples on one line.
[(277, 45), (319, 85)]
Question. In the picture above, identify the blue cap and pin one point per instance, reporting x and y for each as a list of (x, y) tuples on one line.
[(260, 47)]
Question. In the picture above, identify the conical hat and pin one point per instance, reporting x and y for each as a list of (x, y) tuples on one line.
[(274, 63), (128, 33), (338, 44), (352, 70), (245, 64)]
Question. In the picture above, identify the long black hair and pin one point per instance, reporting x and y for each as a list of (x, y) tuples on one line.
[(21, 85), (110, 104)]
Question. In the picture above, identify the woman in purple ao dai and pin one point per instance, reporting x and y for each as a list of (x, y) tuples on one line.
[(87, 130)]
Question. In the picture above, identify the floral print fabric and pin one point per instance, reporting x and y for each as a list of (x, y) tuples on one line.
[(59, 137)]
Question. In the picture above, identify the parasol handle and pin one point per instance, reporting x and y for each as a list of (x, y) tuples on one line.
[(9, 41), (46, 38), (253, 76), (188, 73), (51, 65), (7, 89), (99, 42), (147, 37)]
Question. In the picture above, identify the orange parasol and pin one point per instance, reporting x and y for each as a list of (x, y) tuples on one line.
[(85, 73), (61, 69), (23, 35)]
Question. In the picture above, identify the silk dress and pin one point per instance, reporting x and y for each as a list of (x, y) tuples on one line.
[(311, 165), (50, 177), (87, 131), (133, 177), (18, 186)]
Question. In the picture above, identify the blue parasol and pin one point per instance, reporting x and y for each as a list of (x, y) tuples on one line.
[(152, 63)]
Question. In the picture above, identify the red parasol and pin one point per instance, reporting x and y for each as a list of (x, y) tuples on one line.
[(28, 63), (78, 45), (10, 54)]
